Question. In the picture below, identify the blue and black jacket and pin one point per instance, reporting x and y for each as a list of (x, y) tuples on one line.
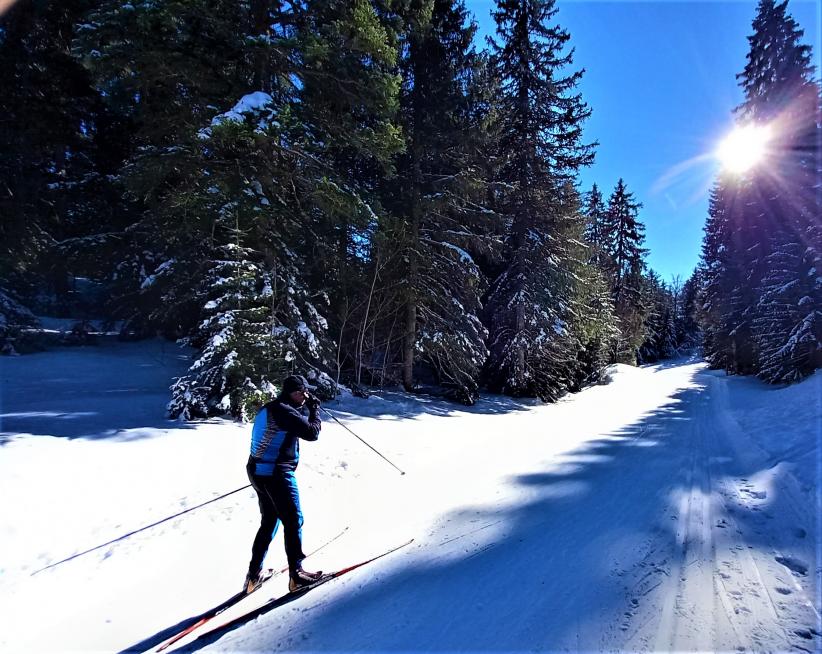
[(275, 437)]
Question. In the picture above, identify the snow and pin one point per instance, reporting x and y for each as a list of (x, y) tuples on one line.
[(94, 327), (307, 335), (248, 104), (160, 270), (463, 255), (256, 104), (673, 508)]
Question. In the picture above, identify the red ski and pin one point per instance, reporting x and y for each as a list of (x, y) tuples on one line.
[(291, 596), (209, 615)]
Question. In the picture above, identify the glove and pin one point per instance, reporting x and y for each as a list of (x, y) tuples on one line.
[(312, 402)]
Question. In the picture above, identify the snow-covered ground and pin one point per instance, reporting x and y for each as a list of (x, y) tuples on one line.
[(674, 508)]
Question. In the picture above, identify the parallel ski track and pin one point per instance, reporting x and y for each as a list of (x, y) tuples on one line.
[(716, 596)]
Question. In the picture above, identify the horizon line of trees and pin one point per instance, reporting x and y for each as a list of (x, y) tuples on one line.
[(348, 189)]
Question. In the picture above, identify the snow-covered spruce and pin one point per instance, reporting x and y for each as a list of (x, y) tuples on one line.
[(249, 338), (535, 317)]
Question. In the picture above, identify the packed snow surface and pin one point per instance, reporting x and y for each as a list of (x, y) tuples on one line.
[(673, 508)]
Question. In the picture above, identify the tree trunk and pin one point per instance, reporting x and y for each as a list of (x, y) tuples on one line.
[(261, 26), (361, 336), (408, 346), (415, 211), (411, 297)]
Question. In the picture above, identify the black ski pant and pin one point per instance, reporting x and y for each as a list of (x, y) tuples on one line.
[(279, 502)]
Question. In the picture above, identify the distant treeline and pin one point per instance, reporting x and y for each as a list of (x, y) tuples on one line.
[(344, 188)]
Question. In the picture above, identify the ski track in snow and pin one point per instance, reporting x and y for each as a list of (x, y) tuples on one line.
[(665, 511), (718, 592)]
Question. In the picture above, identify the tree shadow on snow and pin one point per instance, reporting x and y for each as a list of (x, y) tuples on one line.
[(114, 390), (399, 405)]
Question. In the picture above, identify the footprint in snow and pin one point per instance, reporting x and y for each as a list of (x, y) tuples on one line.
[(783, 591), (795, 565)]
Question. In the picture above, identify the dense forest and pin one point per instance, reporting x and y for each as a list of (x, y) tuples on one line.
[(359, 191)]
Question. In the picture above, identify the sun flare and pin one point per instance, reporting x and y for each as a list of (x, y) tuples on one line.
[(744, 147)]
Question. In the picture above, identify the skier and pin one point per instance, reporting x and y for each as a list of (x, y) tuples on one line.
[(275, 452)]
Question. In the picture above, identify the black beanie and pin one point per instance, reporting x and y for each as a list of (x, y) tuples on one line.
[(294, 383)]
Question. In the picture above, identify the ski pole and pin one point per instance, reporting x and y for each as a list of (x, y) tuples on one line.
[(352, 433), (137, 531)]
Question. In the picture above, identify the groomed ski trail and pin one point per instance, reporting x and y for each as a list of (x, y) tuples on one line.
[(693, 561), (722, 590)]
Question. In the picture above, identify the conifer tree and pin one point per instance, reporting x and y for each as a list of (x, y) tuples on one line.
[(436, 196), (348, 102), (788, 322), (241, 199), (780, 91), (717, 275), (533, 350), (596, 214), (761, 290), (164, 69), (595, 325), (52, 148), (659, 328), (689, 331), (623, 235)]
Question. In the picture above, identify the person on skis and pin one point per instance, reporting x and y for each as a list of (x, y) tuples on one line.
[(275, 452)]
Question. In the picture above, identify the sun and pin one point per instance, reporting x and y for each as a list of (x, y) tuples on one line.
[(744, 147)]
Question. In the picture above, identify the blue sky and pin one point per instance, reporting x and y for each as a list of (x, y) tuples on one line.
[(660, 78)]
